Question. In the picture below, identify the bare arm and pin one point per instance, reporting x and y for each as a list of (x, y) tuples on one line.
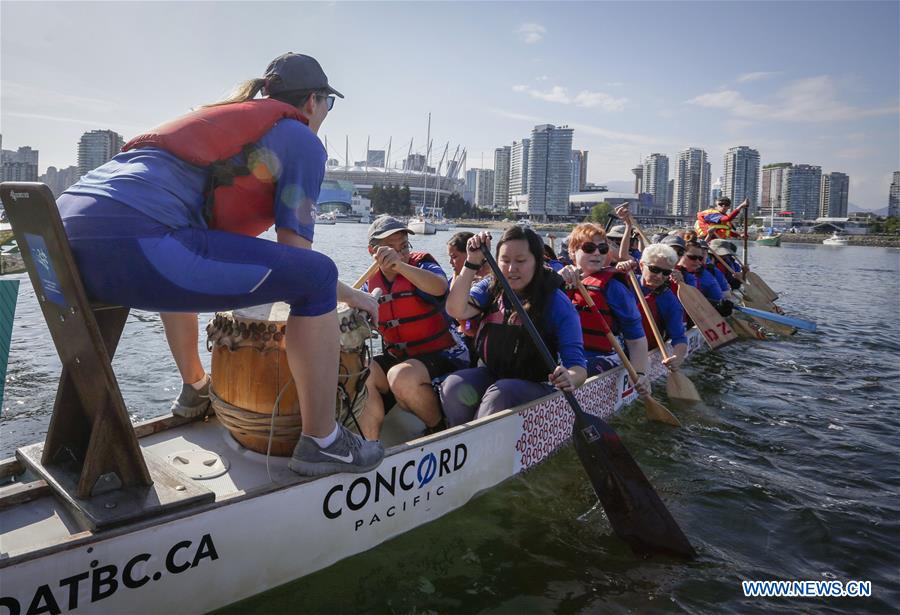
[(458, 305), (637, 352), (428, 282)]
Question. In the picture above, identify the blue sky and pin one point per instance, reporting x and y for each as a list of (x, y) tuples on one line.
[(804, 82)]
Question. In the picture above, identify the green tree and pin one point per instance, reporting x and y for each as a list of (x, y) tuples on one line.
[(404, 202), (377, 196), (455, 206), (599, 213)]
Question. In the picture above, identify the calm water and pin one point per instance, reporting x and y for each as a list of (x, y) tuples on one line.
[(790, 470)]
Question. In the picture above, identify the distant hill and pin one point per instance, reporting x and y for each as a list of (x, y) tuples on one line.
[(853, 207)]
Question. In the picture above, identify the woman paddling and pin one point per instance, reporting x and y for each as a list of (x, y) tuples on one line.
[(656, 266), (609, 292), (170, 225), (512, 371)]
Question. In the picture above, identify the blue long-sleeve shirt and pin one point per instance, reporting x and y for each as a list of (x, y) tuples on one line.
[(708, 285), (671, 313)]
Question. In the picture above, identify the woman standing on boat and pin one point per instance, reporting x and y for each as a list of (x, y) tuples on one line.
[(170, 225), (512, 372), (609, 292)]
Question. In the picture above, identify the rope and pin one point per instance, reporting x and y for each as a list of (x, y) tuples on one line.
[(283, 428)]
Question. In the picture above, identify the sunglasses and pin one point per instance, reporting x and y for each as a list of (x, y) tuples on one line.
[(330, 100), (695, 257), (589, 247), (659, 270)]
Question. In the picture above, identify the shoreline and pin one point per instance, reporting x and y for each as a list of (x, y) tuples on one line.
[(561, 230)]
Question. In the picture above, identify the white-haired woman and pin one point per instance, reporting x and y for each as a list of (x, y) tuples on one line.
[(657, 264)]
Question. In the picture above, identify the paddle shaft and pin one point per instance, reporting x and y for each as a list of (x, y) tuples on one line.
[(609, 335), (365, 277), (640, 295), (746, 231)]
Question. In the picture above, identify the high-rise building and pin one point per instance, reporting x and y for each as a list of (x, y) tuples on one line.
[(772, 188), (576, 171), (97, 147), (638, 176), (518, 168), (414, 162), (549, 171), (800, 190), (656, 181), (471, 180), (894, 197), (483, 188), (716, 191), (20, 165), (691, 187), (59, 179), (579, 170), (375, 158), (501, 177), (583, 174), (742, 176), (833, 193)]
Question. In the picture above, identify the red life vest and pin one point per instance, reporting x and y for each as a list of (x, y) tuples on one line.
[(721, 231), (591, 323), (240, 198), (650, 297), (409, 324)]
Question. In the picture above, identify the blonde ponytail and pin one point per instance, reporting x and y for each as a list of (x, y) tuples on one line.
[(242, 93)]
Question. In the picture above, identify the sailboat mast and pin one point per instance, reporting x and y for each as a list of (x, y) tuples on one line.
[(425, 170)]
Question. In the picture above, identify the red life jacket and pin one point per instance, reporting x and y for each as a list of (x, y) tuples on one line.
[(240, 198), (409, 324), (720, 230), (650, 297), (591, 323)]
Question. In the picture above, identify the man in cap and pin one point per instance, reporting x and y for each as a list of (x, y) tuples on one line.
[(716, 221), (419, 342)]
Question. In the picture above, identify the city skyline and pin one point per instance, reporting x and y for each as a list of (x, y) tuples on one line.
[(798, 95)]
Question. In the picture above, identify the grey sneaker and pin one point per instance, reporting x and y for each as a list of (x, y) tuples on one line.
[(348, 453), (191, 403)]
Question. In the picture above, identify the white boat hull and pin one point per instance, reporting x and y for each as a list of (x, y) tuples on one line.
[(244, 544), (422, 227)]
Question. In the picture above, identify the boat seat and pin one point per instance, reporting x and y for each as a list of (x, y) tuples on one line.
[(91, 455)]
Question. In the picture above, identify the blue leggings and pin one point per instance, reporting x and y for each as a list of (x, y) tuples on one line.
[(476, 392), (127, 258)]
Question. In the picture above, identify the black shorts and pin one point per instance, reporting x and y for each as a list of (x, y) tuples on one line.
[(438, 364)]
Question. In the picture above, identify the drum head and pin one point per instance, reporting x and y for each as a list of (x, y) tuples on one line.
[(270, 312)]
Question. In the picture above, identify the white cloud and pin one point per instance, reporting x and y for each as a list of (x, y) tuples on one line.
[(813, 99), (531, 32), (20, 94), (612, 135), (585, 98), (755, 76)]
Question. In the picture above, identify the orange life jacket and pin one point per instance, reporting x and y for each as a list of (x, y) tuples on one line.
[(409, 324), (240, 197), (703, 228), (592, 324)]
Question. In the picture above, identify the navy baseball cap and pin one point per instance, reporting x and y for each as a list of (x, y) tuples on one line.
[(295, 71), (385, 226), (673, 240)]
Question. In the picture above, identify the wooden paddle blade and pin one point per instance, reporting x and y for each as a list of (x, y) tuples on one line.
[(633, 508), (655, 411), (770, 325), (680, 388), (712, 326), (746, 329), (757, 282)]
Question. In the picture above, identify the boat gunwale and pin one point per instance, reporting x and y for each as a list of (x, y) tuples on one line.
[(149, 426)]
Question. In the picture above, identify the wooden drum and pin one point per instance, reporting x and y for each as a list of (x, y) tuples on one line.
[(251, 377)]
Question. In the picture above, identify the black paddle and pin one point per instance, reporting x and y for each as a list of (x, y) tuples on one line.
[(633, 508)]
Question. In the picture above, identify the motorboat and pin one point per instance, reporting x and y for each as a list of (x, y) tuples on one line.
[(837, 239)]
